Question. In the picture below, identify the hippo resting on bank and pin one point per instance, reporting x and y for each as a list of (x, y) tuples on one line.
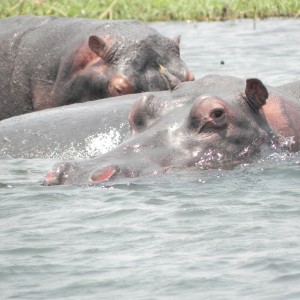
[(227, 123), (50, 61)]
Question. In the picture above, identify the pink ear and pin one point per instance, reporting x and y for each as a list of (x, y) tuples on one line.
[(256, 93), (97, 45)]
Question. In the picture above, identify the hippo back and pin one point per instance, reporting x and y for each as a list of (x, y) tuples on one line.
[(42, 57), (12, 32), (292, 89)]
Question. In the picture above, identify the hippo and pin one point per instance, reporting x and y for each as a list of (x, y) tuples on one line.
[(221, 122), (80, 130), (54, 133), (50, 61)]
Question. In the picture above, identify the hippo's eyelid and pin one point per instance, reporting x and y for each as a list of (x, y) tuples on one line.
[(118, 90)]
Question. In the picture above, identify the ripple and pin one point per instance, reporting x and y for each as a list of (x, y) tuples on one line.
[(288, 278), (26, 251)]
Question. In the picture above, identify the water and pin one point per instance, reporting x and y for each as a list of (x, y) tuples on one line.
[(270, 51), (210, 235)]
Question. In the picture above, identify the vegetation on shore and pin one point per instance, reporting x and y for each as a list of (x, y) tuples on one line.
[(154, 10)]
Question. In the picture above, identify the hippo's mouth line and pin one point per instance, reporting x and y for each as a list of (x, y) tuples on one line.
[(112, 172)]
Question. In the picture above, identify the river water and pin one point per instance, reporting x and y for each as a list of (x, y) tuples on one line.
[(210, 235)]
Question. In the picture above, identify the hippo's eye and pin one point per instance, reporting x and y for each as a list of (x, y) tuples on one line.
[(143, 113), (218, 118), (208, 115), (139, 121), (217, 113)]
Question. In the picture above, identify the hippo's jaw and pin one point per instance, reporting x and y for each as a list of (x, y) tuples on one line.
[(105, 173), (149, 160), (216, 158), (139, 162), (158, 78), (155, 80)]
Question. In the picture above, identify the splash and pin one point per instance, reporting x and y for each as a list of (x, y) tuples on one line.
[(287, 142), (102, 142), (92, 145)]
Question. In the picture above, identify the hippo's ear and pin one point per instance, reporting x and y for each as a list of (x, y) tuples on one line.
[(97, 45), (256, 93), (177, 39)]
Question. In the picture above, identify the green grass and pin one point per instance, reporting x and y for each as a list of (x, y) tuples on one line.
[(156, 10)]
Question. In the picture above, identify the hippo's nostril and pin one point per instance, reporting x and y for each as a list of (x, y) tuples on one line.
[(105, 174), (58, 174), (51, 179)]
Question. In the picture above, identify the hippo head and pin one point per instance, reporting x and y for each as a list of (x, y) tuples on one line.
[(133, 60), (219, 125), (115, 59)]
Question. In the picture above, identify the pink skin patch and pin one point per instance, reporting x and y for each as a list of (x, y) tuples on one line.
[(49, 176), (51, 179), (104, 174)]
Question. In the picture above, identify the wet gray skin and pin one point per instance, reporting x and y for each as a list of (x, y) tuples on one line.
[(225, 124), (49, 61), (73, 131)]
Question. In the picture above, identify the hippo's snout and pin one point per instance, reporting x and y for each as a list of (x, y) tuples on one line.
[(51, 179), (58, 174), (172, 80)]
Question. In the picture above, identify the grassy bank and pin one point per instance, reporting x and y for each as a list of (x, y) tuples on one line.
[(155, 10)]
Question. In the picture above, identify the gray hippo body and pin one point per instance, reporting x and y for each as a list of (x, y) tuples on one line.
[(292, 89), (80, 130), (215, 122), (50, 61), (74, 131)]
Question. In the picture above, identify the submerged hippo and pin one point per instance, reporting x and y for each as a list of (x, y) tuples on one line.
[(225, 124), (80, 130), (50, 61)]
